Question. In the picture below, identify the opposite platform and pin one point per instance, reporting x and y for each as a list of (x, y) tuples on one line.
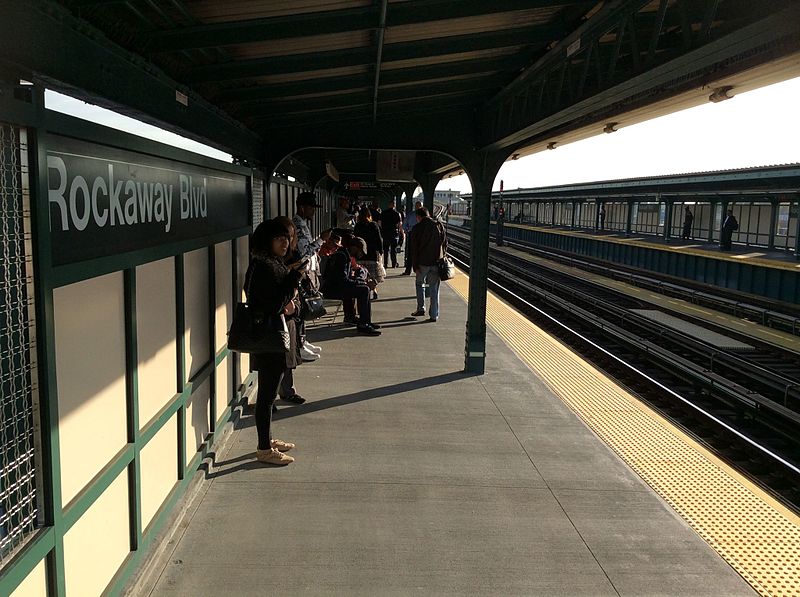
[(414, 478)]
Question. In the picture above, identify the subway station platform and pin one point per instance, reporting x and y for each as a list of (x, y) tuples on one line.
[(751, 270), (740, 252), (414, 478)]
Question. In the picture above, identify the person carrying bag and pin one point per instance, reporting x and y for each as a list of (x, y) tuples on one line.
[(270, 288)]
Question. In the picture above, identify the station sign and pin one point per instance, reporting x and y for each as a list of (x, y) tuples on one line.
[(368, 185), (106, 201)]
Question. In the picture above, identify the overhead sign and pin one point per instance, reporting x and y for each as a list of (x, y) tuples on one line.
[(395, 166), (105, 201), (367, 185)]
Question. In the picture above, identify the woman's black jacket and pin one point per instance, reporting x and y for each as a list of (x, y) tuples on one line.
[(371, 233), (269, 286)]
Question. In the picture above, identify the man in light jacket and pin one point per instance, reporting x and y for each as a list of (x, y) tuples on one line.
[(428, 242)]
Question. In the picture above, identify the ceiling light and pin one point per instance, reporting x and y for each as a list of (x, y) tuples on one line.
[(611, 127), (552, 144), (720, 94)]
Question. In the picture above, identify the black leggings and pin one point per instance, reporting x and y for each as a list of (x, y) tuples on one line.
[(269, 380)]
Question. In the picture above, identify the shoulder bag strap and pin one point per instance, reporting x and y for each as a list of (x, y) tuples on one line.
[(440, 226)]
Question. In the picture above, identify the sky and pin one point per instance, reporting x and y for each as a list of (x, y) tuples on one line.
[(757, 128)]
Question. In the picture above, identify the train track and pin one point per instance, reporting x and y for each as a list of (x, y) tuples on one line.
[(744, 404), (782, 316)]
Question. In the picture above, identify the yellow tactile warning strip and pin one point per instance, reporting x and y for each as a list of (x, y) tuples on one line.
[(661, 247), (751, 328), (755, 534)]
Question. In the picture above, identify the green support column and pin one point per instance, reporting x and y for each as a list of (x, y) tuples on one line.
[(597, 205), (409, 191), (711, 219), (428, 184), (773, 222), (52, 502), (796, 231), (629, 219), (723, 213), (482, 176), (670, 206), (475, 351)]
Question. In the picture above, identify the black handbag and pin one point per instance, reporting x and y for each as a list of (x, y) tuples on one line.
[(256, 332), (311, 306), (446, 267)]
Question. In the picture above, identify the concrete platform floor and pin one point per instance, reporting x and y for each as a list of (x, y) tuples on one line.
[(414, 479)]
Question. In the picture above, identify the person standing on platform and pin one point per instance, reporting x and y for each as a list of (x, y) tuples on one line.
[(375, 211), (271, 288), (294, 323), (728, 226), (307, 247), (344, 219), (602, 216), (428, 243), (408, 225), (501, 220), (390, 230), (372, 259), (688, 220)]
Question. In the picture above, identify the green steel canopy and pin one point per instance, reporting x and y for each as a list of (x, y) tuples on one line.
[(264, 78)]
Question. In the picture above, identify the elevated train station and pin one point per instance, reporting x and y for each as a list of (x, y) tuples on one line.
[(640, 223), (476, 454)]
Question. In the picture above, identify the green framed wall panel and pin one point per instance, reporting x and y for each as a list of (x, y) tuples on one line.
[(47, 544)]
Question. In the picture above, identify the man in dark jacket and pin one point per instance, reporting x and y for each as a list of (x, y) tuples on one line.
[(390, 231), (338, 282), (728, 226), (427, 243)]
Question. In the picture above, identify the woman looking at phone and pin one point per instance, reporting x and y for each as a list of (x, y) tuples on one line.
[(271, 287), (294, 322)]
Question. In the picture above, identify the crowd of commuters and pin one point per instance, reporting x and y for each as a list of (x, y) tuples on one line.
[(344, 263)]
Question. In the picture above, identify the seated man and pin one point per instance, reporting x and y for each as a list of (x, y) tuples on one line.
[(340, 282)]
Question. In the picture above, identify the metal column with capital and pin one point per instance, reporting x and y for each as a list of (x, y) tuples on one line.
[(796, 231), (773, 222), (482, 173), (475, 349), (629, 219), (669, 207)]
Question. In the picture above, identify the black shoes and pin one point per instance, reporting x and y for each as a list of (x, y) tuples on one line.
[(369, 329), (418, 313), (350, 320), (406, 273), (294, 399)]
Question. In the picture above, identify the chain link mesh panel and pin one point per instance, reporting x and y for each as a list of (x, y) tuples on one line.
[(19, 449), (258, 200)]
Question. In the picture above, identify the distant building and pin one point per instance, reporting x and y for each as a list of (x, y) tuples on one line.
[(443, 197), (447, 196)]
